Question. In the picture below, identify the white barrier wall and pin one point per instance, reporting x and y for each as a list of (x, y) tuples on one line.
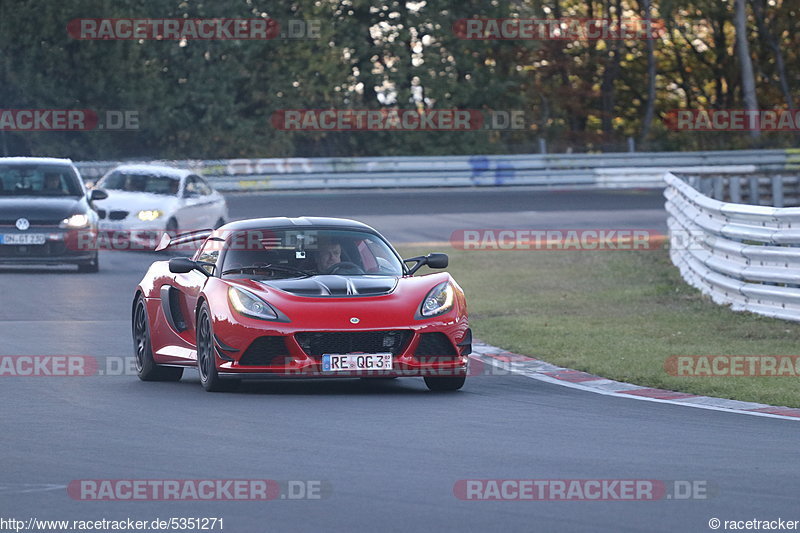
[(747, 256), (608, 170)]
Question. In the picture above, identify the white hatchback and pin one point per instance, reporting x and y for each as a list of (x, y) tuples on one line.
[(144, 201)]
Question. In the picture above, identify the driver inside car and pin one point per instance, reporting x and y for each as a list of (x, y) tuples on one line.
[(52, 183), (328, 255)]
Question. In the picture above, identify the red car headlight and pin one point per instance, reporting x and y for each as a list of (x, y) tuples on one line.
[(438, 301), (248, 304)]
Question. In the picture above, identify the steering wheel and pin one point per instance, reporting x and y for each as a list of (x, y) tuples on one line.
[(345, 267)]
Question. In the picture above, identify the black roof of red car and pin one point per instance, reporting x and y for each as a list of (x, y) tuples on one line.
[(299, 222)]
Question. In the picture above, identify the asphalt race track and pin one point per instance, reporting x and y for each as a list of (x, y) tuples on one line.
[(387, 454)]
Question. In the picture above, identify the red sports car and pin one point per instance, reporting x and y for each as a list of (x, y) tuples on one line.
[(299, 297)]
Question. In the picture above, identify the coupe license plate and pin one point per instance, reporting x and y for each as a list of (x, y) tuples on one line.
[(356, 361), (23, 238)]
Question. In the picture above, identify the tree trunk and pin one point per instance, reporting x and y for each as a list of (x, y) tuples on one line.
[(746, 63), (649, 110), (610, 74), (763, 31)]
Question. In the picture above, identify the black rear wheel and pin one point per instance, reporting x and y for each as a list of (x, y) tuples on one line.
[(146, 367), (207, 359)]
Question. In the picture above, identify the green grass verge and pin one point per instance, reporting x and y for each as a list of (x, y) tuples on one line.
[(619, 315)]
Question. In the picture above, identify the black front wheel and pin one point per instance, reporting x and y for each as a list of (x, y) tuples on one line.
[(146, 367), (445, 384), (90, 267), (207, 359)]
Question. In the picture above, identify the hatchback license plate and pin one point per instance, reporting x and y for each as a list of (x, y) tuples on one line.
[(23, 238)]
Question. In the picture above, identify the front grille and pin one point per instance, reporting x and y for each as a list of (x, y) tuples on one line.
[(264, 350), (33, 221), (117, 215), (435, 347), (101, 213), (316, 343), (49, 249)]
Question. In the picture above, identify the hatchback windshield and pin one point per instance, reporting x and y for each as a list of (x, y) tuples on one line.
[(38, 180), (281, 253), (150, 183)]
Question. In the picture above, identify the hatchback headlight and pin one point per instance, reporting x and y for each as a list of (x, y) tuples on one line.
[(75, 221), (248, 304), (438, 301)]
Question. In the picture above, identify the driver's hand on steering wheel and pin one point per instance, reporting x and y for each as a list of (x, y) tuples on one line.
[(344, 267)]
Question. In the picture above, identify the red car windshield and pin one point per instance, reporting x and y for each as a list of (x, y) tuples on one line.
[(281, 253)]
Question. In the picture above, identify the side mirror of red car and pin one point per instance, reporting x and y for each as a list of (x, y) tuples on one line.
[(437, 260), (184, 265), (433, 260)]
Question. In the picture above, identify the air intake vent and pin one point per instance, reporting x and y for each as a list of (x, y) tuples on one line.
[(340, 342), (435, 347), (264, 350)]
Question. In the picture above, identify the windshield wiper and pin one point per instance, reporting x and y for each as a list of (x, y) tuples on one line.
[(276, 268)]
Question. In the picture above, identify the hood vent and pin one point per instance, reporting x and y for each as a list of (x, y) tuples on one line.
[(335, 286)]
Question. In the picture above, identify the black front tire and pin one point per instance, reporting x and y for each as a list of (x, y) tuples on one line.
[(90, 267), (207, 358), (146, 367), (445, 384)]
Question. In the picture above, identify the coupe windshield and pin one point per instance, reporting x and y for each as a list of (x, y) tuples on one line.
[(36, 180), (285, 253), (150, 183)]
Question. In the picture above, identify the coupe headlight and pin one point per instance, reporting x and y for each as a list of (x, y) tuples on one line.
[(249, 304), (148, 215), (438, 301), (75, 221)]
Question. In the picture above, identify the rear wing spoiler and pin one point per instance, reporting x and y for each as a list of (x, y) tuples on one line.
[(183, 238)]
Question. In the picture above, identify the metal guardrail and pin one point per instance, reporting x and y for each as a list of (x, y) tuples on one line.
[(546, 170), (745, 256), (771, 188)]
